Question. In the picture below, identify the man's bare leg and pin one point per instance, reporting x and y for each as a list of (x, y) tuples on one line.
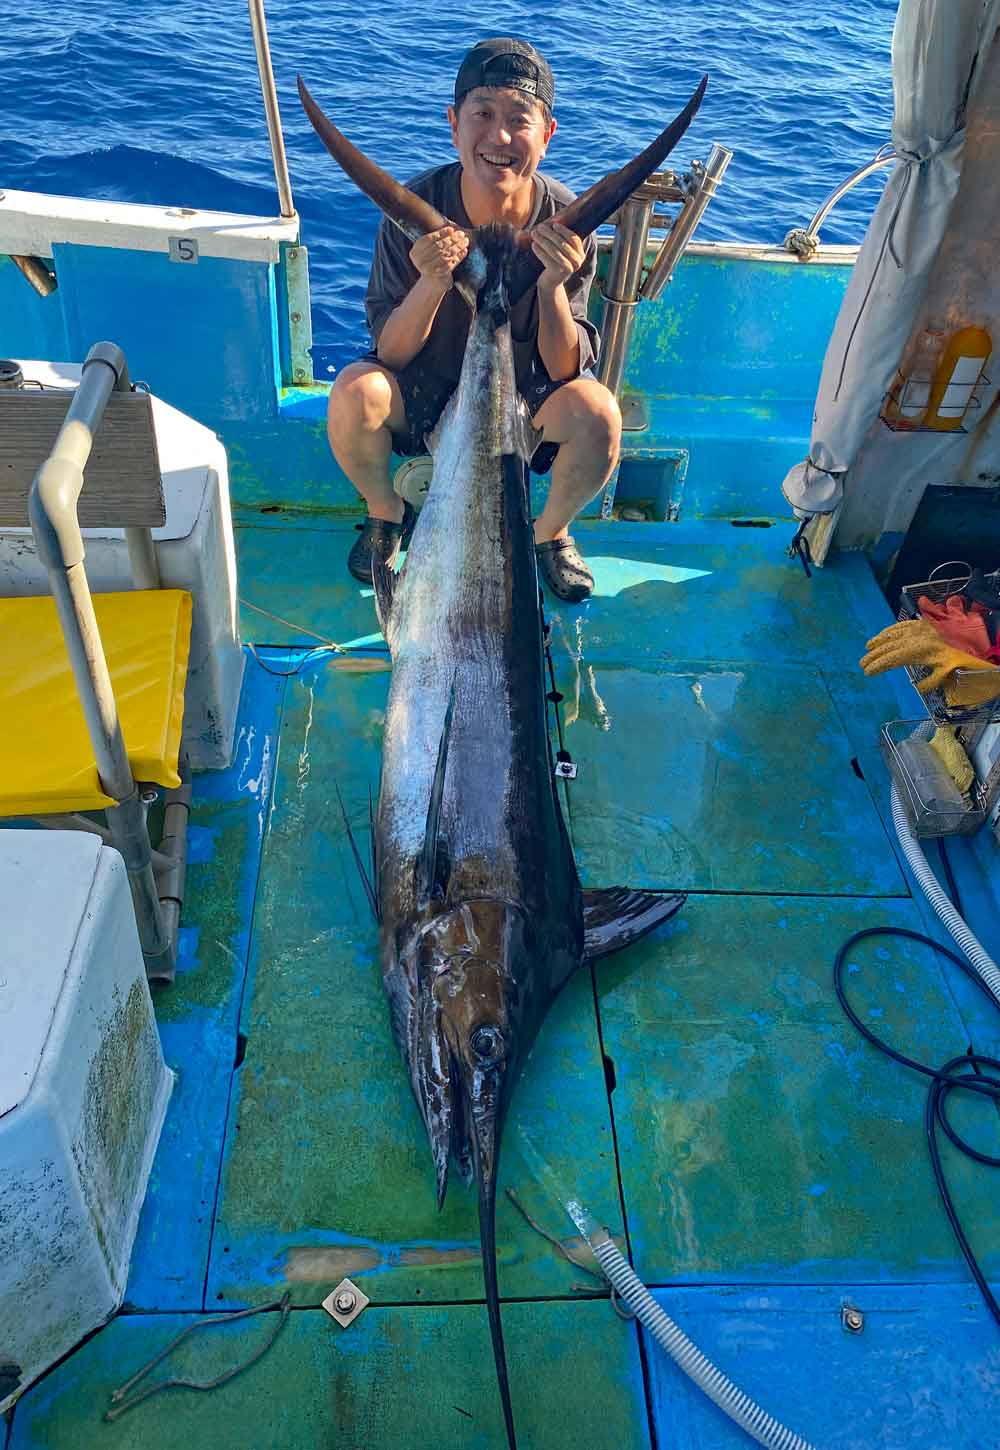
[(365, 408), (584, 419)]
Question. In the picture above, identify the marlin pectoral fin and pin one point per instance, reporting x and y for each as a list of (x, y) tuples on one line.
[(616, 916), (427, 864)]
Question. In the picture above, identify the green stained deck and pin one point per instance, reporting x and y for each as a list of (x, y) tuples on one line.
[(702, 1093), (402, 1376)]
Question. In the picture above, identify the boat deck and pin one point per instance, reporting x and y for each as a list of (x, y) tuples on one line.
[(701, 1093)]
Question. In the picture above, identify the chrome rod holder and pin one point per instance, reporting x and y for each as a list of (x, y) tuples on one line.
[(705, 178), (625, 288), (621, 292)]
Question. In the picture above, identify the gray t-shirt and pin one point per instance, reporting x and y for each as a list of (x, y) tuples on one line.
[(393, 275)]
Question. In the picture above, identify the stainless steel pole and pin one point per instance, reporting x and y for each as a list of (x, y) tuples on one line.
[(37, 274), (682, 230), (884, 157), (270, 94), (622, 287)]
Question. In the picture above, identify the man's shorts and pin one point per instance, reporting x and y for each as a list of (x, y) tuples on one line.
[(424, 399)]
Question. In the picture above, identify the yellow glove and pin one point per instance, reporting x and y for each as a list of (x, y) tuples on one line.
[(947, 746), (917, 642)]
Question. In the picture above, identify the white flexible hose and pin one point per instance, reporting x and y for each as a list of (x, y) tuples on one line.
[(737, 1405), (970, 945)]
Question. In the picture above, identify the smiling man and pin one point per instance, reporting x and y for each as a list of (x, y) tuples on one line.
[(501, 125)]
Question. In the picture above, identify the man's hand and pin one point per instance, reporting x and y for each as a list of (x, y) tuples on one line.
[(560, 251), (436, 256)]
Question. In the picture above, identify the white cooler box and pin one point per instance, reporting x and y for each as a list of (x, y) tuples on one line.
[(83, 1093), (196, 552)]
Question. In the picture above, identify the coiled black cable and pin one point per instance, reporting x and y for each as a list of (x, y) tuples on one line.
[(944, 1081)]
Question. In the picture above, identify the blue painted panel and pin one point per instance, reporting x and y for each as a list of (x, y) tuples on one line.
[(305, 402), (204, 336), (285, 462), (740, 450), (732, 328), (30, 326), (923, 1374), (729, 361), (326, 603), (198, 1015)]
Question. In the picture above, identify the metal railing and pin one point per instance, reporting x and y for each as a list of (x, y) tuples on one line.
[(267, 86), (52, 509), (805, 240)]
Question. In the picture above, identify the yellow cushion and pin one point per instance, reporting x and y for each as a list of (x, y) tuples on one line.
[(46, 761)]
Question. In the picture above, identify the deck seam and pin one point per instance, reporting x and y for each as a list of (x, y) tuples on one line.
[(647, 1382), (251, 930), (750, 1286)]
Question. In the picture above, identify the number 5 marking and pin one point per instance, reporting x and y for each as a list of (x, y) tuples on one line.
[(183, 249)]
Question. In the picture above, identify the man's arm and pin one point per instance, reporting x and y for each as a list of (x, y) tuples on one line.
[(407, 328), (563, 253)]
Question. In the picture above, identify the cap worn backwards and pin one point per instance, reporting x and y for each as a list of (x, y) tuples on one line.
[(506, 62)]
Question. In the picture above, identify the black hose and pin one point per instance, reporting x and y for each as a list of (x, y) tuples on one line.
[(944, 1081)]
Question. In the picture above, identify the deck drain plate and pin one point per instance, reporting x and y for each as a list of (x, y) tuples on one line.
[(345, 1303)]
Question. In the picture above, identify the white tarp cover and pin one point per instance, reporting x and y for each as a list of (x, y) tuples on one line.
[(937, 46)]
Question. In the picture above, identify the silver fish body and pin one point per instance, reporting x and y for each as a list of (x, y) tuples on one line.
[(482, 919)]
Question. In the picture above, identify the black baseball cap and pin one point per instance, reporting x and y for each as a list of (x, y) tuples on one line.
[(503, 61)]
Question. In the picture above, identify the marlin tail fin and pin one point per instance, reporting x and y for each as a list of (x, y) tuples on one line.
[(616, 917)]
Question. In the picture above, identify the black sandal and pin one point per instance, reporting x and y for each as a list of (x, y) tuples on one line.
[(381, 537), (564, 570)]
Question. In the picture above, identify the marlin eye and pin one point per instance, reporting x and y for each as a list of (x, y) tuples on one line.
[(488, 1044)]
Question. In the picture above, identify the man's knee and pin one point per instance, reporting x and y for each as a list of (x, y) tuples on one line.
[(604, 413), (363, 398), (582, 409)]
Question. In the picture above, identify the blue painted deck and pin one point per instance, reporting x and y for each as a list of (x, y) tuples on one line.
[(702, 1093)]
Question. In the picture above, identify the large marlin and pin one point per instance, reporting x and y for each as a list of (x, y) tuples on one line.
[(481, 914)]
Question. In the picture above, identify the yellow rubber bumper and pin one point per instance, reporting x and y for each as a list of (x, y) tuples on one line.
[(46, 764)]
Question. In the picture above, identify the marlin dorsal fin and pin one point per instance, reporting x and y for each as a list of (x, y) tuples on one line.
[(617, 916), (384, 581), (427, 864)]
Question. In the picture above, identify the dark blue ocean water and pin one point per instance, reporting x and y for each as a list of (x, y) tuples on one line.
[(151, 101)]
